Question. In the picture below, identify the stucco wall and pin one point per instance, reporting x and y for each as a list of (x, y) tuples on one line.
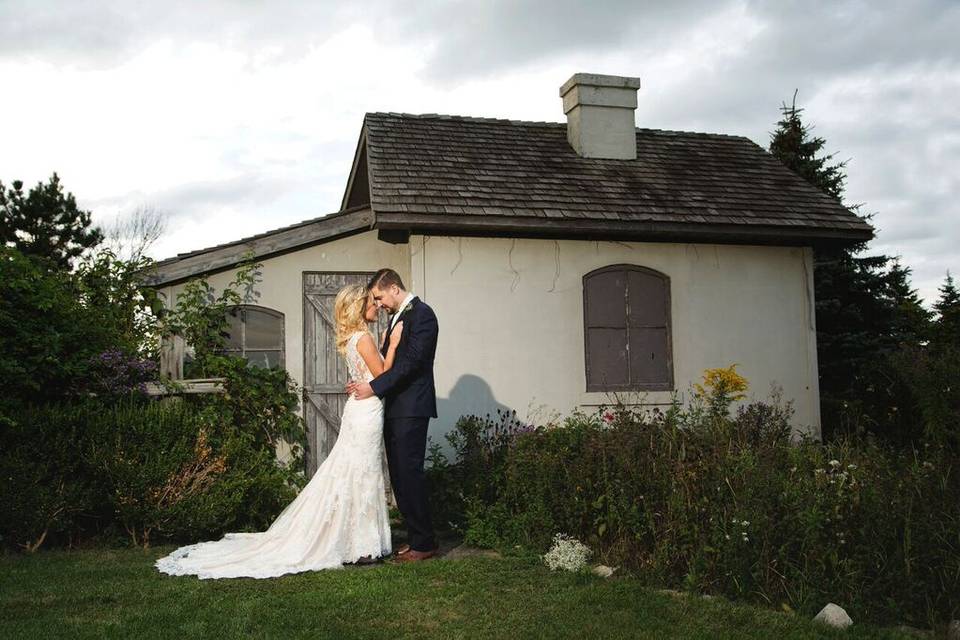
[(511, 315), (511, 320)]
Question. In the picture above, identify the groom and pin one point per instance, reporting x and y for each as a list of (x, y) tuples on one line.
[(410, 401)]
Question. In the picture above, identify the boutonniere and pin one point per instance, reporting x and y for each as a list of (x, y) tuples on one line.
[(407, 308)]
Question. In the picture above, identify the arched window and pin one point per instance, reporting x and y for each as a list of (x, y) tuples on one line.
[(255, 333), (626, 328)]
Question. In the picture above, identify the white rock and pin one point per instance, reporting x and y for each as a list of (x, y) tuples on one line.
[(834, 616), (604, 571)]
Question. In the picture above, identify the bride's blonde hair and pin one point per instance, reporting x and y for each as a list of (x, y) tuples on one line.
[(348, 310)]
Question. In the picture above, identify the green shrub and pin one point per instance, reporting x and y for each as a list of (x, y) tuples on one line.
[(696, 498), (151, 470), (46, 490)]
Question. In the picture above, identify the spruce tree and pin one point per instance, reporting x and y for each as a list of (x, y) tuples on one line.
[(947, 327), (865, 308), (45, 223)]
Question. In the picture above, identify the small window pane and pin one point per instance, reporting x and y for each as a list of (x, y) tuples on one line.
[(263, 359), (234, 329), (263, 330), (608, 357)]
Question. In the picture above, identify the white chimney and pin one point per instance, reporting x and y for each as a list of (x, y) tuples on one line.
[(599, 110)]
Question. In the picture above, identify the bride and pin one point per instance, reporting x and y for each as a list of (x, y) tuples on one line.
[(340, 516)]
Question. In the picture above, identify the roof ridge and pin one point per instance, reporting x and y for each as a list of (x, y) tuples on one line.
[(452, 116), (491, 120)]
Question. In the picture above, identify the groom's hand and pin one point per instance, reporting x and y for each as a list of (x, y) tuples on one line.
[(360, 390)]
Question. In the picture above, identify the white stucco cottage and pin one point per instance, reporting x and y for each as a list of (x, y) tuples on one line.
[(565, 261)]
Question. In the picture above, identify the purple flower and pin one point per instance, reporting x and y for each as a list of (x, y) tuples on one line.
[(113, 373)]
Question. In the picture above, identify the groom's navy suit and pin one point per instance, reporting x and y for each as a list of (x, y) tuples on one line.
[(410, 400)]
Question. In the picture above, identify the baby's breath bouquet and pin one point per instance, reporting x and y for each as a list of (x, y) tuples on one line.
[(567, 553)]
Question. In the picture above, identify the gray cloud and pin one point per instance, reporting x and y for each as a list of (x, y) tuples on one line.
[(103, 33), (880, 80)]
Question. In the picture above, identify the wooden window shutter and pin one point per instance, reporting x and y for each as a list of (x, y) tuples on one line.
[(626, 310)]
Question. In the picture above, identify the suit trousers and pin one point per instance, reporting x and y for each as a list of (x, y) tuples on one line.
[(405, 441)]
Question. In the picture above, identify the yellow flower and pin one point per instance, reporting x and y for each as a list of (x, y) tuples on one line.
[(723, 380)]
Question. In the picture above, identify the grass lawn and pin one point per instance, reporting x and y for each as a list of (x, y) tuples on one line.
[(118, 594)]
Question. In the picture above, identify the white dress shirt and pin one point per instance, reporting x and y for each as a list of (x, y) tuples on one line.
[(403, 306)]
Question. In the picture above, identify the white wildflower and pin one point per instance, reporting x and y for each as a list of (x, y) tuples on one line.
[(834, 463), (567, 553)]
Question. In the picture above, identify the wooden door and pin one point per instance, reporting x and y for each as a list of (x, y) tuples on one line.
[(324, 369)]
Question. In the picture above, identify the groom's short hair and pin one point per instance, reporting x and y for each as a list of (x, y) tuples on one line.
[(385, 278)]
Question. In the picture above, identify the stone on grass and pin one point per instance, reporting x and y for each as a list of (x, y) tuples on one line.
[(604, 571), (466, 551), (953, 630), (834, 616)]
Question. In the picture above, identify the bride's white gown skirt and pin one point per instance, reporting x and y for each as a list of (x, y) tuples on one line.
[(339, 516)]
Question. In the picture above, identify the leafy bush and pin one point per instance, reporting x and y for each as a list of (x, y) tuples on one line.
[(700, 499), (169, 470), (46, 491)]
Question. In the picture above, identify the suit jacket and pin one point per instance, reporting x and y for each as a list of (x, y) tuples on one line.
[(407, 388)]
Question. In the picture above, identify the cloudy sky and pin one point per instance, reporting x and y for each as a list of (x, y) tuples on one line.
[(239, 117)]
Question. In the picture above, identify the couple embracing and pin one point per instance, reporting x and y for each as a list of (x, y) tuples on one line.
[(340, 517)]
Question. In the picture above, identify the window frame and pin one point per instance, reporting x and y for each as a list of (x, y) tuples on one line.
[(666, 385), (243, 350)]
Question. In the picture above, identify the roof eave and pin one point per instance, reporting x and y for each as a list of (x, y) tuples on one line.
[(587, 229), (272, 243)]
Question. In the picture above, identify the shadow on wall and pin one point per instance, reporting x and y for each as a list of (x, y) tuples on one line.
[(470, 395)]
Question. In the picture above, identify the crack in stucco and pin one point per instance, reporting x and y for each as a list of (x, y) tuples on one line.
[(556, 273), (516, 274)]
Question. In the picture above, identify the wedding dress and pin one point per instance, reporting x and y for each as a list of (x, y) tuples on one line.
[(339, 516)]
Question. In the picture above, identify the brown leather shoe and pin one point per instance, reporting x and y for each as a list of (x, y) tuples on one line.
[(416, 556), (402, 549)]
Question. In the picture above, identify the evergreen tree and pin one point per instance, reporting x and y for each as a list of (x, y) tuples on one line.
[(865, 308), (792, 145), (910, 320), (45, 223), (947, 328)]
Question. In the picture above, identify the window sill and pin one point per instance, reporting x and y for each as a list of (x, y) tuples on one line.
[(195, 385), (629, 398)]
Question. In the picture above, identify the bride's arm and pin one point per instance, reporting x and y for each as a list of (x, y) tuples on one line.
[(371, 357), (392, 347)]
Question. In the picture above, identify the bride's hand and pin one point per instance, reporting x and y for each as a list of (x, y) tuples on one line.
[(396, 333)]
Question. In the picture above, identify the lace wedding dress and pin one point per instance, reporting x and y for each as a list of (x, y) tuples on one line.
[(339, 516)]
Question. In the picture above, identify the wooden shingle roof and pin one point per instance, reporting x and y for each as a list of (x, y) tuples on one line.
[(460, 174), (482, 176)]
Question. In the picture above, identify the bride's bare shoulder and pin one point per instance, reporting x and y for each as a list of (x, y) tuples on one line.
[(365, 341)]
